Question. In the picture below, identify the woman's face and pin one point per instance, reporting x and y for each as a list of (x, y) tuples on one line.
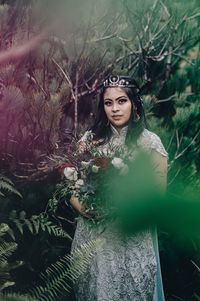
[(117, 106)]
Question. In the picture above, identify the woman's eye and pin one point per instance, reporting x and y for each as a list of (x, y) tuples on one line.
[(121, 101), (107, 103)]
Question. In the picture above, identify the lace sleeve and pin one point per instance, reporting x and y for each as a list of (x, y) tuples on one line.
[(150, 141)]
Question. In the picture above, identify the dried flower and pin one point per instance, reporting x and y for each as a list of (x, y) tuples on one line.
[(101, 162)]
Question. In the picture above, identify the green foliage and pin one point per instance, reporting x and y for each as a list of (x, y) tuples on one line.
[(66, 269), (35, 224), (16, 297), (6, 250), (8, 186)]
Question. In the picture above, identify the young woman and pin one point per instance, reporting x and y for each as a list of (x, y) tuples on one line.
[(123, 268)]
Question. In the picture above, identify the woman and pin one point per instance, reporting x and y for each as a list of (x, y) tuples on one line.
[(123, 268)]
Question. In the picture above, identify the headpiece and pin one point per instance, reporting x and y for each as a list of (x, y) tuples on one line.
[(124, 82), (120, 81)]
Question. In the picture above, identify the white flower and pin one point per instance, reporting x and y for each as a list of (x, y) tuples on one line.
[(95, 168), (79, 183), (117, 162), (71, 173)]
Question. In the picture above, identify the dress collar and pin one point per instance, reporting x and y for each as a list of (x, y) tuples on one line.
[(122, 132)]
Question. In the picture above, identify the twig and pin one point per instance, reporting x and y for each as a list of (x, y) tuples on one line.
[(198, 268), (66, 76), (185, 149), (184, 58), (172, 180), (34, 80), (172, 97), (178, 298), (192, 17), (103, 38)]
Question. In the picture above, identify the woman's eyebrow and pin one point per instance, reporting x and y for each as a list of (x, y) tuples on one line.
[(121, 97), (107, 99), (116, 98)]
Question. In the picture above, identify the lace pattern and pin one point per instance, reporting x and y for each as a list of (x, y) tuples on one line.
[(149, 140), (124, 268)]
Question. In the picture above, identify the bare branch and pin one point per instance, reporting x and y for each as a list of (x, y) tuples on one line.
[(184, 58), (103, 38), (66, 76), (186, 148), (192, 17)]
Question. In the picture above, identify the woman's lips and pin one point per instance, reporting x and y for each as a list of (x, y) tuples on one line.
[(116, 117)]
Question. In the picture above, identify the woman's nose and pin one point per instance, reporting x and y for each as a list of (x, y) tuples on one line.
[(115, 107)]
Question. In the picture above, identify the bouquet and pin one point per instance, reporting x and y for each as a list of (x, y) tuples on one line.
[(92, 178)]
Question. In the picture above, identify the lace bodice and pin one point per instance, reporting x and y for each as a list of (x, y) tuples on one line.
[(147, 141)]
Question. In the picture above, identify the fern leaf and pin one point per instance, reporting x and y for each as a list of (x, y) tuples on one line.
[(19, 225), (5, 179), (7, 185), (11, 233), (65, 270), (3, 229), (29, 225), (6, 249), (15, 297), (37, 223)]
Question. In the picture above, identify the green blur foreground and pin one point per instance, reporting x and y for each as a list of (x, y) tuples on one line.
[(140, 203), (176, 215)]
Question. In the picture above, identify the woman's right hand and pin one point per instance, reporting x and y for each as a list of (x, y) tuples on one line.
[(80, 208)]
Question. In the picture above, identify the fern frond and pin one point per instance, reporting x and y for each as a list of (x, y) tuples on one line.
[(6, 249), (6, 184), (16, 297), (66, 270), (3, 229), (5, 179), (37, 223)]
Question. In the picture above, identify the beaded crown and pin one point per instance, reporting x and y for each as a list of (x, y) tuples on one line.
[(120, 81)]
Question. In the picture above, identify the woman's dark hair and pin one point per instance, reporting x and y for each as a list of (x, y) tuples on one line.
[(101, 127)]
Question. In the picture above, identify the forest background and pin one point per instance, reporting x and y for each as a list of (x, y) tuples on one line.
[(53, 56)]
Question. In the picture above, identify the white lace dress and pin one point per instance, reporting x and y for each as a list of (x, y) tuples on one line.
[(124, 268)]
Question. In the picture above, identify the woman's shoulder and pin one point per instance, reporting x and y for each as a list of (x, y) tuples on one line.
[(150, 140)]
